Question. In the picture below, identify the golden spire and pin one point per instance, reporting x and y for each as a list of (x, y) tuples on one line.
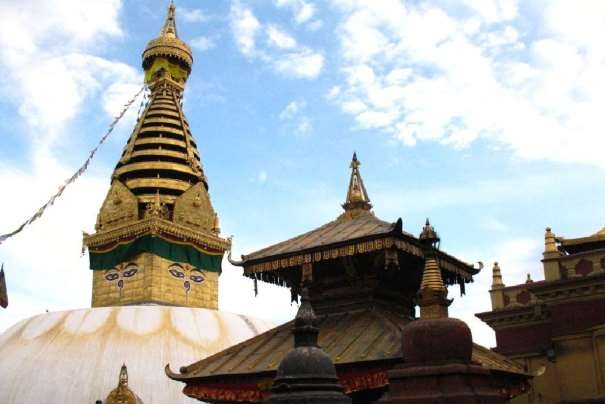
[(167, 53), (122, 394), (169, 28), (357, 196), (432, 297), (496, 277)]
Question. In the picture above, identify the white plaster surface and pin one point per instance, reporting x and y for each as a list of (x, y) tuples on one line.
[(75, 356)]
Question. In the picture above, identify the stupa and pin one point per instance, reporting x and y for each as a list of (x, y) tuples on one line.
[(156, 256)]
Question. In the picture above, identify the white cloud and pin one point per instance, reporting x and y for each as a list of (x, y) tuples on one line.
[(293, 114), (279, 38), (192, 15), (49, 84), (283, 52), (292, 109), (48, 54), (422, 74), (244, 26), (203, 43), (303, 10), (305, 64)]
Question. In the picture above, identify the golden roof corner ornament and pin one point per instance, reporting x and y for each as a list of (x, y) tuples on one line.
[(357, 196)]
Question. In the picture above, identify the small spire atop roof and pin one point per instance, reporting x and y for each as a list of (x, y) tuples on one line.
[(305, 331), (529, 279), (496, 277), (431, 276), (550, 241), (169, 28), (432, 297), (357, 196), (428, 234)]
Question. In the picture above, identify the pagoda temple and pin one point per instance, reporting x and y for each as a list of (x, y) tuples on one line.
[(156, 259), (363, 275), (556, 326)]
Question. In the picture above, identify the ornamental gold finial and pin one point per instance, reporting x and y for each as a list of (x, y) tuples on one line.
[(167, 54), (432, 297), (496, 277), (550, 241), (122, 394), (357, 196), (169, 28)]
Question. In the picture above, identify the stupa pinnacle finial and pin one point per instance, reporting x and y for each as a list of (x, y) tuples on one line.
[(167, 54), (432, 296), (428, 235), (357, 196), (122, 394), (169, 28)]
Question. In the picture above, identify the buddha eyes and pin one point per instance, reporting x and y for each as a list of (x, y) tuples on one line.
[(176, 273), (130, 271), (196, 278)]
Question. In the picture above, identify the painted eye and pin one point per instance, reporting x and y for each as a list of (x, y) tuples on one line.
[(112, 276), (176, 273), (130, 271), (196, 278)]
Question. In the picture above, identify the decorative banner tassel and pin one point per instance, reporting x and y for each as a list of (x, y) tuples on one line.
[(255, 286)]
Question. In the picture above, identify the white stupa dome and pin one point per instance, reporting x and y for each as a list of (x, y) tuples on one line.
[(75, 356)]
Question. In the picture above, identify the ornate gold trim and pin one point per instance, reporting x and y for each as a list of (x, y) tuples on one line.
[(346, 251), (156, 226)]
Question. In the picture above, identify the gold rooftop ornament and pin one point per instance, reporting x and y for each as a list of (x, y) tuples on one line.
[(122, 394)]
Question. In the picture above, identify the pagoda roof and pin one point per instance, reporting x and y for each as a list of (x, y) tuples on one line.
[(353, 232), (340, 231), (364, 339), (356, 231)]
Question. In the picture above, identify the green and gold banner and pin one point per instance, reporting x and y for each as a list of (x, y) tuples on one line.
[(108, 256)]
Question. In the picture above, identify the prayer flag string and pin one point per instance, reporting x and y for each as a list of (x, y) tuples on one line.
[(79, 172)]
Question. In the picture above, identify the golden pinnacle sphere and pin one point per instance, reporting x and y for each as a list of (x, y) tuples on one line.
[(168, 45)]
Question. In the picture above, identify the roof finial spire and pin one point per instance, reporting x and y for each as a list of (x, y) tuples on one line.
[(497, 277), (432, 297), (357, 196), (169, 28)]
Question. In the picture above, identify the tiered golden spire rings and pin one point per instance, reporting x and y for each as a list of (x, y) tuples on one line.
[(168, 44), (357, 196)]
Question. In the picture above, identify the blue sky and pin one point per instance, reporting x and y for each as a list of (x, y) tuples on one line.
[(483, 115)]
